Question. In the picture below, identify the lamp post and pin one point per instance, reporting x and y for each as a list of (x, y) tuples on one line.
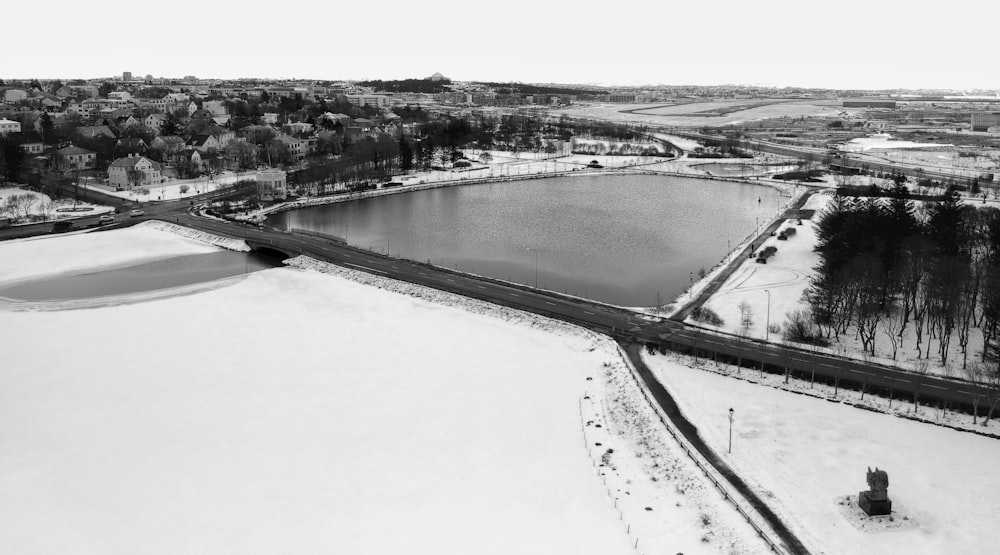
[(730, 430), (536, 266), (767, 325)]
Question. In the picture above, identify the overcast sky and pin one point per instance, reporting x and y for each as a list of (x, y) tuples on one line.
[(846, 44)]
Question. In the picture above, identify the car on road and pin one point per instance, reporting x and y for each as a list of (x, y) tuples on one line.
[(106, 219), (135, 213)]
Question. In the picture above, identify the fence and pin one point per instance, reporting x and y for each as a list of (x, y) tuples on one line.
[(698, 460)]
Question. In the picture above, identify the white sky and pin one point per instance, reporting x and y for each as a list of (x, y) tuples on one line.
[(845, 44)]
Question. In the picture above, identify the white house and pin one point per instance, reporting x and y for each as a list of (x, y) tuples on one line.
[(145, 171), (9, 126)]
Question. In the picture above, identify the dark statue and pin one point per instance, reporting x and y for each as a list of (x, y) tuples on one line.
[(875, 501)]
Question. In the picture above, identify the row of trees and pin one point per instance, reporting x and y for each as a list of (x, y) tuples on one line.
[(888, 268)]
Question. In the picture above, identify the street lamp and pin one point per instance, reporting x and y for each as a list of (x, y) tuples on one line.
[(767, 325), (536, 264), (730, 430)]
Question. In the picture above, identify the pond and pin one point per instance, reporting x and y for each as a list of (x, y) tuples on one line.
[(621, 239)]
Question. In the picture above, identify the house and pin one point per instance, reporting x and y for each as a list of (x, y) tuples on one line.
[(130, 145), (95, 132), (269, 117), (123, 96), (192, 108), (297, 148), (298, 128), (155, 122), (9, 126), (14, 95), (125, 122), (79, 109), (225, 138), (272, 185), (130, 171), (214, 107), (31, 142), (167, 144), (76, 158), (204, 143)]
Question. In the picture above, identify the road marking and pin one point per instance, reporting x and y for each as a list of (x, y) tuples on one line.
[(451, 280), (345, 255), (364, 269), (585, 312), (480, 286), (421, 273), (514, 295), (550, 304)]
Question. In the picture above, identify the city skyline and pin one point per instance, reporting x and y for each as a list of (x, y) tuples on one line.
[(850, 45)]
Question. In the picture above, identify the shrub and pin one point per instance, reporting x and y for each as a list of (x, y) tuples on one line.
[(800, 328), (706, 316)]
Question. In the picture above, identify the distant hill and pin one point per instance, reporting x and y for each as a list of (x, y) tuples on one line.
[(511, 88)]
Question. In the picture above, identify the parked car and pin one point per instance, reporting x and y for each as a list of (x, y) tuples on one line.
[(64, 225), (107, 219), (136, 213)]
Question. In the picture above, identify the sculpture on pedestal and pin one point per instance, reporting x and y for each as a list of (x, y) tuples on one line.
[(875, 501)]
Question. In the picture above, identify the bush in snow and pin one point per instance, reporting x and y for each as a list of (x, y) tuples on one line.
[(706, 316)]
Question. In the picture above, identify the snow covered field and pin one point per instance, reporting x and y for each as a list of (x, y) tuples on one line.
[(883, 141), (291, 411), (807, 455), (44, 205)]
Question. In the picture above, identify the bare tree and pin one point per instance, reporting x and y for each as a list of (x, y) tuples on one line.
[(746, 316)]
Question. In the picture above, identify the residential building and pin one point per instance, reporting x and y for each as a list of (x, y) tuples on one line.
[(31, 142), (269, 117), (297, 128), (297, 148), (133, 171), (95, 132), (130, 145), (374, 100), (204, 143), (155, 122), (214, 107), (167, 144), (76, 158), (9, 126), (14, 95), (123, 96), (272, 185)]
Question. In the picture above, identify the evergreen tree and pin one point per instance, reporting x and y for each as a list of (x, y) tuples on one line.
[(48, 129), (405, 154)]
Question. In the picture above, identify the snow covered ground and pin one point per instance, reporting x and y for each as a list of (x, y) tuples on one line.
[(44, 205), (883, 141), (172, 189), (807, 456), (785, 277), (313, 409)]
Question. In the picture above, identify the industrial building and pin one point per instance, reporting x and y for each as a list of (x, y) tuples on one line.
[(982, 121)]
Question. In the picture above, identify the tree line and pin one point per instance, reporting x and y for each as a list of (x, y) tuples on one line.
[(888, 266)]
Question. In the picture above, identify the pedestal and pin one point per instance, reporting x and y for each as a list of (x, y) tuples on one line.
[(873, 507)]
